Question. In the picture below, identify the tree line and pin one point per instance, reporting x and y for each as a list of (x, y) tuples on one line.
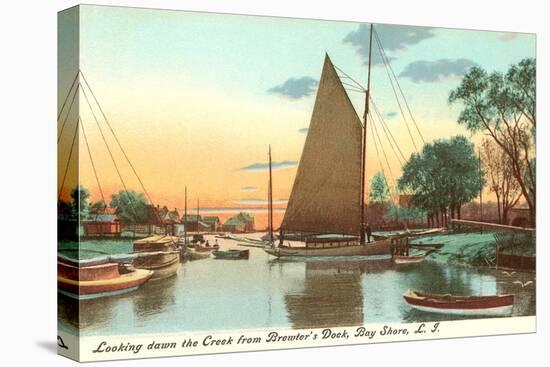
[(130, 206), (448, 173)]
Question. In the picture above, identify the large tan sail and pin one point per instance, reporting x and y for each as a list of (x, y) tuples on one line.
[(326, 194)]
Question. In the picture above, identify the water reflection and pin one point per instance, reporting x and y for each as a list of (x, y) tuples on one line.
[(265, 292), (154, 297)]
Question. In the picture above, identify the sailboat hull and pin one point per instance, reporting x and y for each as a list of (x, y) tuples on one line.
[(378, 248)]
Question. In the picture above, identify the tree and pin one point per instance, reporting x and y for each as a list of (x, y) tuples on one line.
[(501, 181), (503, 106), (378, 188), (97, 207), (79, 207), (130, 206), (443, 177)]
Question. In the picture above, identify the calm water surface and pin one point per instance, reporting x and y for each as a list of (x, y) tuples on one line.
[(264, 292)]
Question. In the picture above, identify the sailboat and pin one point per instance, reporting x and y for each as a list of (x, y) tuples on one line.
[(325, 215)]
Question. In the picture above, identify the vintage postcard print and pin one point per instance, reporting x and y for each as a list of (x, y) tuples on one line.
[(235, 183)]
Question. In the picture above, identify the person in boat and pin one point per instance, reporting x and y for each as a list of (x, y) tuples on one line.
[(369, 232), (216, 245), (207, 244)]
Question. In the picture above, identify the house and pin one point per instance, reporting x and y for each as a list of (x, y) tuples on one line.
[(518, 216), (171, 217), (102, 225), (234, 225), (195, 223), (242, 222), (213, 222)]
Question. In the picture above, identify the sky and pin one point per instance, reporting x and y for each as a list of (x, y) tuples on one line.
[(195, 99)]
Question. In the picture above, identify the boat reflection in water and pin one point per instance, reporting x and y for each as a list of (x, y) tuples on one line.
[(155, 298), (332, 294), (265, 292)]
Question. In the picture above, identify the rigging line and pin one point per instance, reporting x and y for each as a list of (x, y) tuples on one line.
[(352, 86), (92, 161), (379, 160), (388, 131), (68, 162), (349, 77), (383, 151), (395, 93), (400, 90), (66, 98), (110, 154), (354, 90), (118, 142), (391, 144), (67, 115)]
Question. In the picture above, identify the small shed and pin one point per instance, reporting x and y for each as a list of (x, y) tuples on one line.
[(102, 225)]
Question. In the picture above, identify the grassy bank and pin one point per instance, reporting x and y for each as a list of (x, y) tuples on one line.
[(471, 249)]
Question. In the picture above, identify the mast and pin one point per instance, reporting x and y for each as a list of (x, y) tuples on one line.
[(270, 200), (364, 145), (198, 229), (185, 219)]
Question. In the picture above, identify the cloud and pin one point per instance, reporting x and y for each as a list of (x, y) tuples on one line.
[(255, 167), (433, 71), (393, 38), (260, 201), (391, 114), (249, 188), (508, 36), (303, 130), (296, 88)]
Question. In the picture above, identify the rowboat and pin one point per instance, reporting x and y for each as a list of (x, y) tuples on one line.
[(192, 254), (497, 305), (402, 259), (99, 280), (232, 254), (163, 256), (200, 248), (426, 246)]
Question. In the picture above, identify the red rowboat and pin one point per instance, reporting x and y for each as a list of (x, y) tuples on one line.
[(401, 259), (497, 305), (99, 280)]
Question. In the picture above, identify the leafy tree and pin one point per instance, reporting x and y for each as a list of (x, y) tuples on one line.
[(130, 206), (378, 189), (79, 207), (442, 177), (503, 106)]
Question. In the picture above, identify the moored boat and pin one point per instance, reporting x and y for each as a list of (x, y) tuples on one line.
[(201, 248), (494, 305), (192, 254), (98, 280), (426, 246), (164, 257), (402, 259), (332, 248), (231, 254)]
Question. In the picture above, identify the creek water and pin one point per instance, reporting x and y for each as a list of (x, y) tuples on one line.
[(263, 292)]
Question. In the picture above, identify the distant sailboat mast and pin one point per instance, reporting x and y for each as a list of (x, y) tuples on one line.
[(185, 219), (270, 200), (364, 146)]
